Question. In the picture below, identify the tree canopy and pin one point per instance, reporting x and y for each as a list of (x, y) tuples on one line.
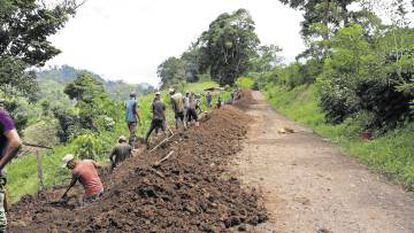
[(228, 45), (25, 26), (171, 72)]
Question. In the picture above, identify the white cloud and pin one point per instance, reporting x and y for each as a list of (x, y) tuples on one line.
[(128, 39)]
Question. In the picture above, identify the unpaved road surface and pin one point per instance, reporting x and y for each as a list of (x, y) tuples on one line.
[(309, 186)]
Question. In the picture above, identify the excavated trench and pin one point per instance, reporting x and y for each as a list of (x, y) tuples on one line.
[(191, 191)]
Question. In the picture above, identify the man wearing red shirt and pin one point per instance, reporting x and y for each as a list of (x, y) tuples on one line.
[(86, 172)]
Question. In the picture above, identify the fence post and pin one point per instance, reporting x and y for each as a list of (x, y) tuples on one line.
[(40, 171)]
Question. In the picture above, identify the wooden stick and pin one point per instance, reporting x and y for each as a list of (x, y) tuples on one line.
[(158, 173), (158, 163), (35, 145), (40, 171), (162, 142)]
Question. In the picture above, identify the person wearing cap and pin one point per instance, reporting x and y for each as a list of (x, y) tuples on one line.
[(177, 104), (10, 142), (132, 116), (120, 152), (86, 172), (158, 117)]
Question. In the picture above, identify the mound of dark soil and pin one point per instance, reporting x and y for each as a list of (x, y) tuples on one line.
[(189, 192)]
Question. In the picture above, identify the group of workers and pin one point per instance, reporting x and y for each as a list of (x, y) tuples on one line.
[(185, 108)]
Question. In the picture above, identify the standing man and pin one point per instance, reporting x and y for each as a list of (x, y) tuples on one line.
[(158, 117), (177, 104), (10, 142), (132, 116), (209, 99), (86, 172), (186, 106), (120, 152), (192, 113), (219, 102)]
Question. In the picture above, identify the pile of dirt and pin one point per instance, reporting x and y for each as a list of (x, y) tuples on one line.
[(246, 99), (191, 191)]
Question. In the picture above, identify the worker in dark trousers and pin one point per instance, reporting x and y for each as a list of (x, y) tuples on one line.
[(158, 117), (192, 113), (177, 104)]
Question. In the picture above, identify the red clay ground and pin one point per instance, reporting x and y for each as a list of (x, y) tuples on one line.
[(190, 192)]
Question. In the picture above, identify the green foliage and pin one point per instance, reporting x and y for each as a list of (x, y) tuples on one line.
[(228, 45), (22, 172), (88, 146), (191, 59), (363, 76), (18, 109), (171, 72), (84, 88), (25, 27), (245, 82), (390, 153), (265, 59)]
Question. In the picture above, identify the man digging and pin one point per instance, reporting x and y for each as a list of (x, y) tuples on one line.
[(177, 104), (86, 172), (120, 152)]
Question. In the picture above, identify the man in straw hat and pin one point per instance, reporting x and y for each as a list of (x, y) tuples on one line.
[(86, 172)]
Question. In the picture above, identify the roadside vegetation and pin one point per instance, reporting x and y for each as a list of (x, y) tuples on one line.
[(354, 83), (88, 142), (356, 77), (390, 154)]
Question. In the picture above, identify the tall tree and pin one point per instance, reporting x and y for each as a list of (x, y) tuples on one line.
[(191, 60), (25, 26), (171, 72), (228, 45)]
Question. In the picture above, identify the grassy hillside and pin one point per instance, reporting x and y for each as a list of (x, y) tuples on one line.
[(22, 172), (391, 154)]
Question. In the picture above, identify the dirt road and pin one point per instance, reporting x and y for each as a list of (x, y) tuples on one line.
[(309, 186)]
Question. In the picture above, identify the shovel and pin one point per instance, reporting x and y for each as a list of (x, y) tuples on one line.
[(62, 202)]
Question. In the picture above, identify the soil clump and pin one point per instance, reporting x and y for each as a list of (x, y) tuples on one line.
[(191, 191)]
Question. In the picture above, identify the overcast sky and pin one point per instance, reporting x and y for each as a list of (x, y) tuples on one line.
[(128, 39)]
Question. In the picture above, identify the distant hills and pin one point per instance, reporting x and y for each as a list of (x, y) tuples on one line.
[(54, 80)]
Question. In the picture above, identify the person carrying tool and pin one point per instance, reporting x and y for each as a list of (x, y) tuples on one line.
[(10, 142), (85, 171), (158, 117), (120, 152), (177, 104), (132, 116)]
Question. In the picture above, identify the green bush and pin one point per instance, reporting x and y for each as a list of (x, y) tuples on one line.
[(88, 146), (388, 153), (363, 76), (245, 82)]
